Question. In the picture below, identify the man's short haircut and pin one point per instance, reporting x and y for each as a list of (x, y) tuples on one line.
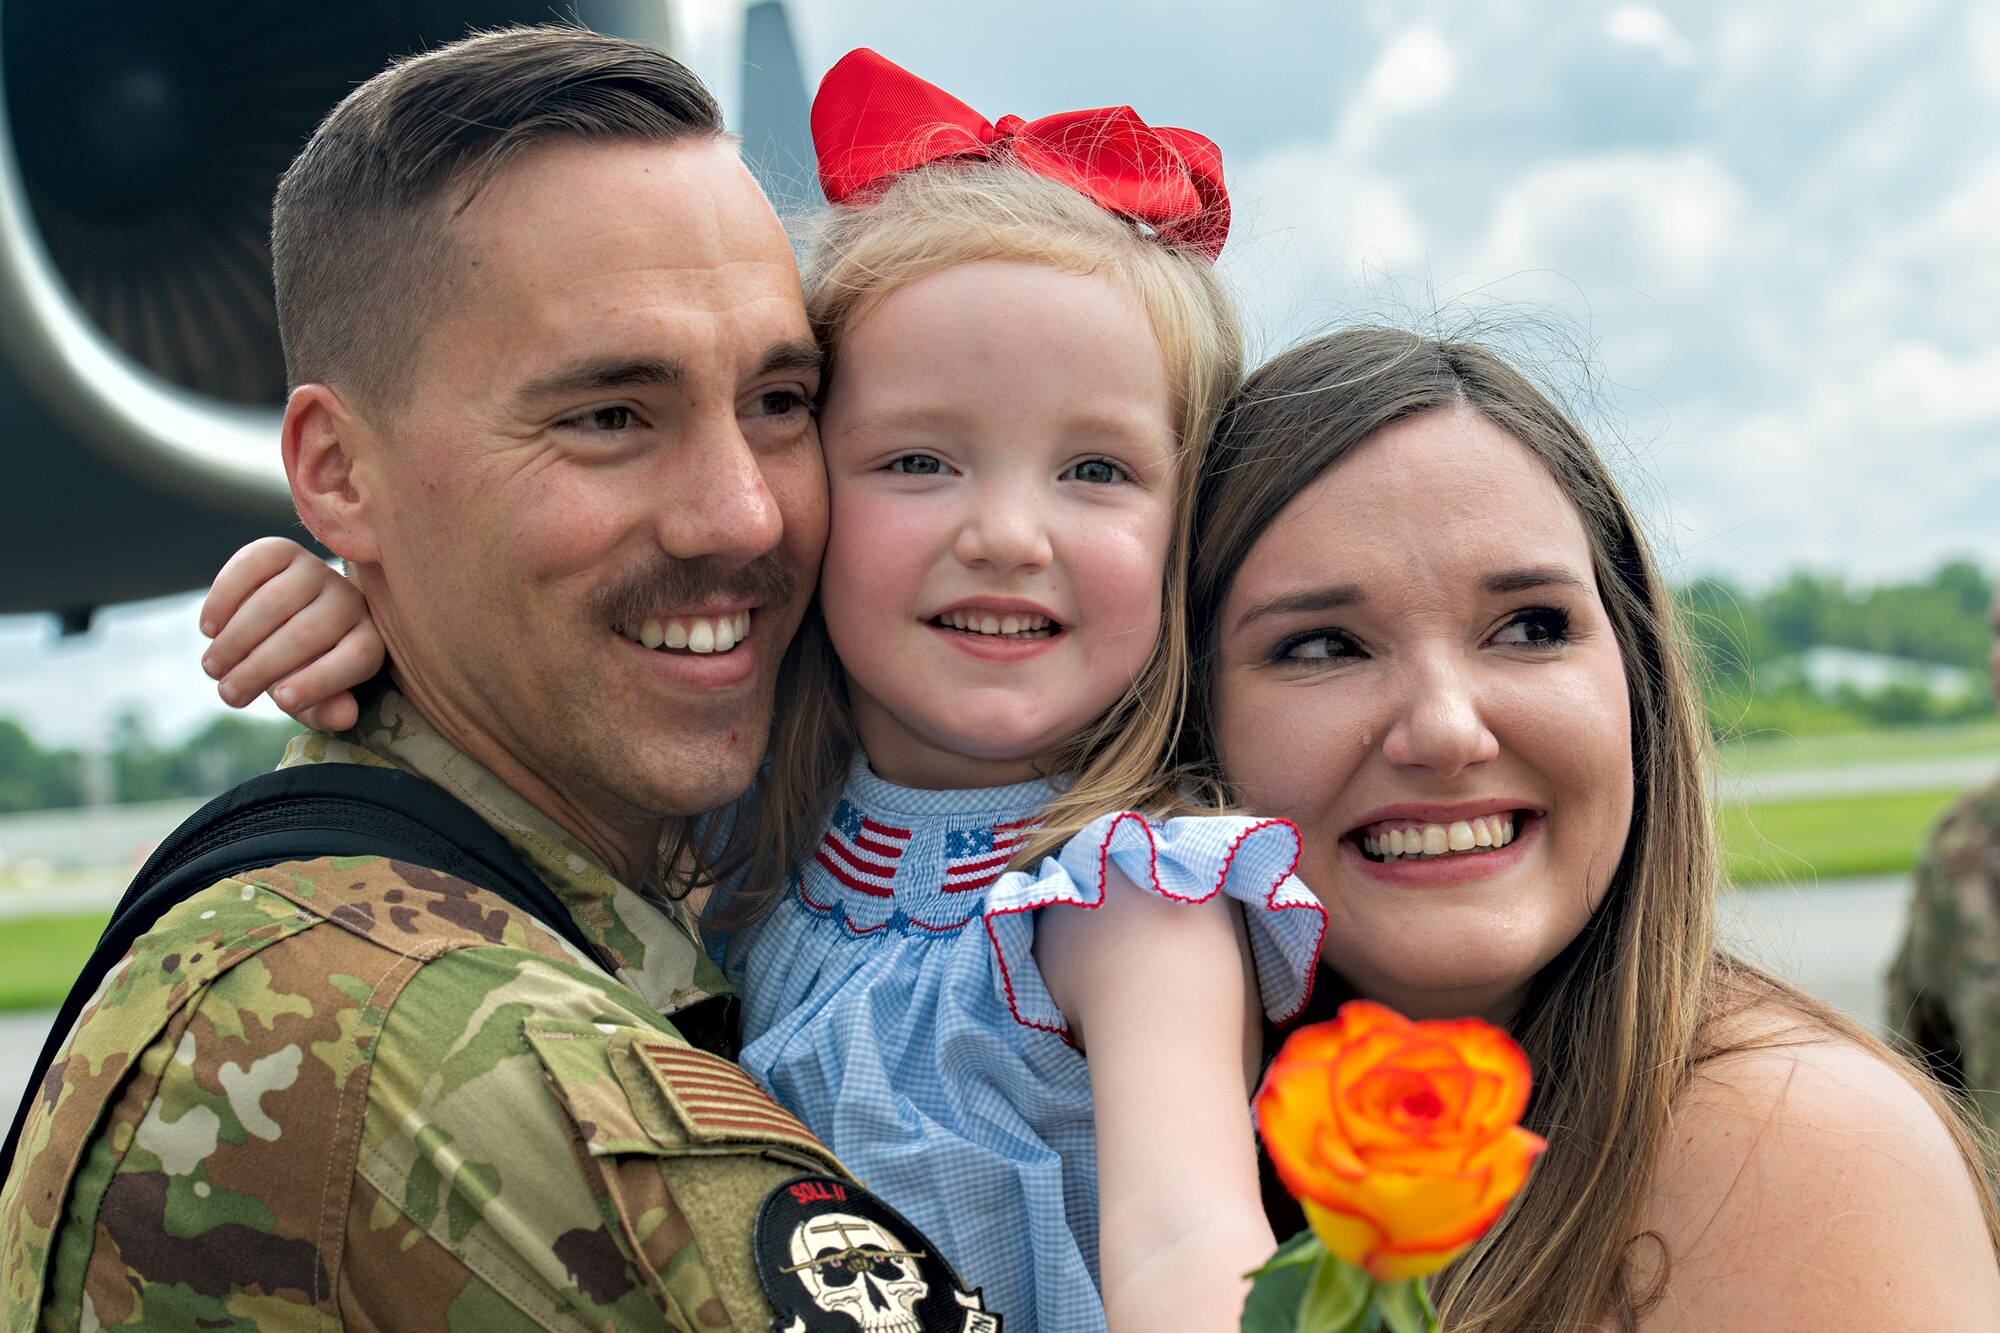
[(360, 249)]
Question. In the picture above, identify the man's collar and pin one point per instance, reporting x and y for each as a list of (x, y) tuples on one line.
[(647, 940)]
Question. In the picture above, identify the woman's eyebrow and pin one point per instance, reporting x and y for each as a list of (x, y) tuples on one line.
[(1533, 576), (1331, 598)]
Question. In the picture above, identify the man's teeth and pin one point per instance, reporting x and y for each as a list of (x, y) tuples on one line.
[(696, 634), (1464, 835), (1013, 625)]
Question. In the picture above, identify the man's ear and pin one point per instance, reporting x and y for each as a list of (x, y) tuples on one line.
[(326, 447)]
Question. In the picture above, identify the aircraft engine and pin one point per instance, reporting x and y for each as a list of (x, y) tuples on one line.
[(140, 374)]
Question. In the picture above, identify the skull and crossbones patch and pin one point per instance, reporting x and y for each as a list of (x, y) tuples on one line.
[(833, 1258)]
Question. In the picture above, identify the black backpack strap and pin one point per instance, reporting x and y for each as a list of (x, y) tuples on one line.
[(299, 814), (315, 810)]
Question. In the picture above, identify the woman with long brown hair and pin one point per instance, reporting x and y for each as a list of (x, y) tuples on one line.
[(1426, 629), (1429, 632)]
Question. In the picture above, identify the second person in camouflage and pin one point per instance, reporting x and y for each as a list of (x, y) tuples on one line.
[(1944, 985)]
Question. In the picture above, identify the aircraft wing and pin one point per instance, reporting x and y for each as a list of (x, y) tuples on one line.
[(140, 376)]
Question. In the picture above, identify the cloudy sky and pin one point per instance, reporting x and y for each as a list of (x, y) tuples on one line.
[(1757, 245)]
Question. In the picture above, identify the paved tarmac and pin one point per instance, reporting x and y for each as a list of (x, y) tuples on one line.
[(21, 1038), (86, 894), (1834, 939)]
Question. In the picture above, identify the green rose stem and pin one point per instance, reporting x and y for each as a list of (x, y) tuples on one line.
[(1304, 1289)]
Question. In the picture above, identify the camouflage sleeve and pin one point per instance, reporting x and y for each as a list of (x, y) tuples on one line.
[(485, 1139), (519, 1127), (1944, 983)]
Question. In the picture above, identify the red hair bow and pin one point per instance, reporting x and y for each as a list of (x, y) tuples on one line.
[(874, 119)]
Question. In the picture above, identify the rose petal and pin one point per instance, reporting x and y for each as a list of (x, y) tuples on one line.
[(1489, 1050), (1400, 1138), (1420, 1210), (1439, 1159), (1359, 1016), (1347, 1236), (1388, 1264)]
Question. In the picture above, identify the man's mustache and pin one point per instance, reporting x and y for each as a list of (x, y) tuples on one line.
[(664, 584)]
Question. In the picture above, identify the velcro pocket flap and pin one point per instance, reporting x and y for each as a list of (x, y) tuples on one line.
[(578, 1060), (681, 1157)]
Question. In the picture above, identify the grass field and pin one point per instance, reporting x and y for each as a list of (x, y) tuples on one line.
[(41, 955), (1826, 837), (1798, 842)]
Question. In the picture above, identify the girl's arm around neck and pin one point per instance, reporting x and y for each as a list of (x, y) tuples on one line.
[(1811, 1186), (1162, 999)]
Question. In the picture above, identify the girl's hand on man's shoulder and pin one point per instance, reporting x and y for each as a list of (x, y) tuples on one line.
[(1811, 1185)]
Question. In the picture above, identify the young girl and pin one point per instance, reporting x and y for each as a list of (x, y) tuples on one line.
[(1029, 348)]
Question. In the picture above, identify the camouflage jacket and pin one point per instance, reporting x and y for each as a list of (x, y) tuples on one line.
[(1944, 986), (354, 1093)]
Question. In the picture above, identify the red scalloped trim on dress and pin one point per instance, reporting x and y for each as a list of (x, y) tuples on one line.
[(847, 919), (1103, 855), (1271, 903), (826, 909)]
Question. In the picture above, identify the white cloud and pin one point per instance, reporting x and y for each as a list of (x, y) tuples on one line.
[(1316, 219), (1322, 201), (1825, 47), (1919, 388), (1934, 275), (1885, 465), (1415, 70), (1969, 213), (1646, 27), (1982, 43), (1313, 227), (1671, 217)]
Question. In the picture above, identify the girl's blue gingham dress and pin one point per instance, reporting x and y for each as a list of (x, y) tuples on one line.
[(891, 1001)]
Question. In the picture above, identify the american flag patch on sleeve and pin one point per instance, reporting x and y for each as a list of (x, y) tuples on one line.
[(718, 1103)]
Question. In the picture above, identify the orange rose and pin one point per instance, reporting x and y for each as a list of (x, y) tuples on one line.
[(1400, 1139)]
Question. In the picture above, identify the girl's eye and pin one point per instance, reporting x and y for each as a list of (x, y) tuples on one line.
[(1098, 472), (603, 418), (783, 402), (1319, 645), (918, 465), (1536, 627)]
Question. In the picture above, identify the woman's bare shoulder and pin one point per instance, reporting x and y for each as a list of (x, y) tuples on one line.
[(1806, 1182)]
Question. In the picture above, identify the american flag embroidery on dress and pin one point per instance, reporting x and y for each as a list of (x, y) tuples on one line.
[(975, 857), (860, 852)]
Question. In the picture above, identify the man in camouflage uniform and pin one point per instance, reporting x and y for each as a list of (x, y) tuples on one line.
[(1944, 986), (554, 376)]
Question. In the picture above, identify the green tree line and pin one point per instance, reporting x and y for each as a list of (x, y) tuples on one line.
[(135, 767), (1739, 637)]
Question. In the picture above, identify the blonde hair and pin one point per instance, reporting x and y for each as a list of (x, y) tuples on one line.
[(925, 221), (1623, 1019)]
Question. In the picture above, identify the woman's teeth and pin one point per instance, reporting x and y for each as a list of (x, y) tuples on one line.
[(1432, 840), (695, 634), (1010, 626)]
